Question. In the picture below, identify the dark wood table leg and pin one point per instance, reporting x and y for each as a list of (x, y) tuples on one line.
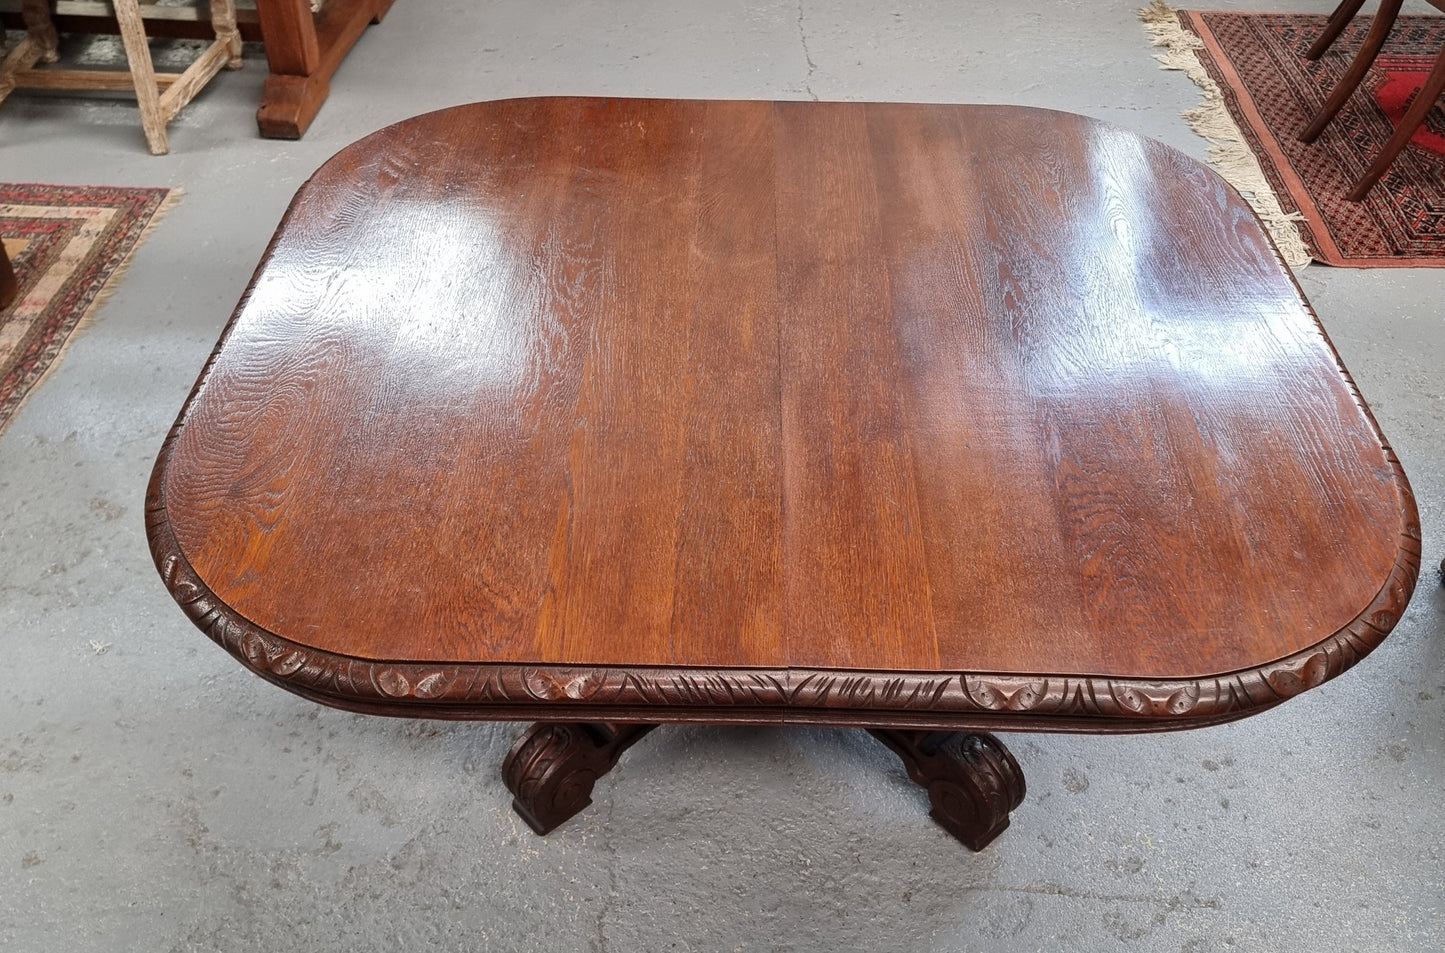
[(551, 769), (972, 779), (9, 284), (304, 51)]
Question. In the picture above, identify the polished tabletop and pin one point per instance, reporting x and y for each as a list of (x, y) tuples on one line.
[(781, 392)]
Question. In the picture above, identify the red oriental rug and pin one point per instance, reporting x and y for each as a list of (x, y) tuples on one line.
[(1260, 92), (69, 246)]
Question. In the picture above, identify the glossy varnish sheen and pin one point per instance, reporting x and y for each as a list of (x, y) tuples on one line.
[(734, 384)]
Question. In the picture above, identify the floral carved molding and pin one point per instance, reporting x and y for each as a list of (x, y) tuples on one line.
[(354, 682)]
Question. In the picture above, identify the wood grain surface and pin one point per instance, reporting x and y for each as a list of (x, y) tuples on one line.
[(731, 385)]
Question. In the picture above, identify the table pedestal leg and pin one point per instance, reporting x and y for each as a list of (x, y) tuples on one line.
[(972, 780), (551, 769)]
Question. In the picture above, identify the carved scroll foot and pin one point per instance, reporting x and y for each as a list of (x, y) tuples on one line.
[(551, 769), (972, 780)]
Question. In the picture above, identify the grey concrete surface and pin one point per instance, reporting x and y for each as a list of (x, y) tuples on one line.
[(156, 797)]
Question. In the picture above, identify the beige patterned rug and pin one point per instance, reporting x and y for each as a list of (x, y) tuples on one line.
[(69, 245)]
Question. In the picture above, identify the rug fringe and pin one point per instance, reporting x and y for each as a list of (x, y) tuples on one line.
[(172, 199), (112, 282), (1228, 152)]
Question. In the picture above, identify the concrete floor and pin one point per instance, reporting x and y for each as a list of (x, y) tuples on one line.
[(154, 796)]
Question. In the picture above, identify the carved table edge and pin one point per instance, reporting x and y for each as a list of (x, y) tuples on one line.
[(497, 691)]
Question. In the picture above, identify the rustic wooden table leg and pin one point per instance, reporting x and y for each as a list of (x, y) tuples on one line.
[(39, 46), (972, 780), (304, 50), (138, 55), (551, 769), (40, 30)]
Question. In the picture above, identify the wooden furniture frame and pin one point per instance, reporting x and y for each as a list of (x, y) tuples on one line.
[(304, 51), (160, 96), (98, 17), (929, 420), (1374, 40)]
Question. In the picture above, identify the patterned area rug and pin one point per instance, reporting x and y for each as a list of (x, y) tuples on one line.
[(1256, 64), (69, 246)]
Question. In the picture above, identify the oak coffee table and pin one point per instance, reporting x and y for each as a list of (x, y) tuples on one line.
[(930, 420)]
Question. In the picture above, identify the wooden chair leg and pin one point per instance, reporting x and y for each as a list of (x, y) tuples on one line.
[(1341, 18), (1379, 30), (143, 74), (1414, 118)]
